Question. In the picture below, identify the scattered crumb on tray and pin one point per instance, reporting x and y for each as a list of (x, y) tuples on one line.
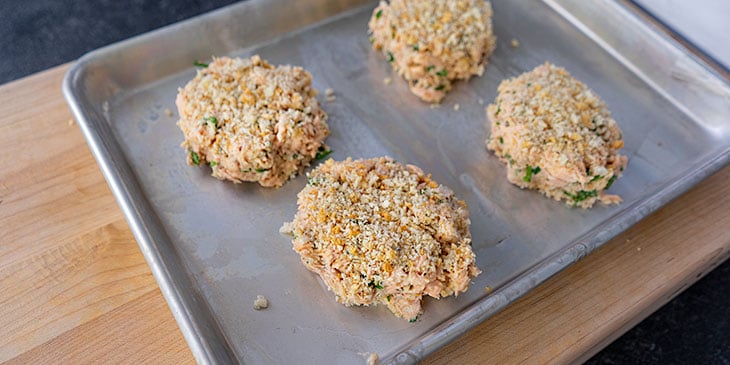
[(456, 106), (514, 43), (260, 303), (371, 358), (71, 122), (387, 80), (481, 101), (168, 112), (488, 289), (329, 95), (435, 106)]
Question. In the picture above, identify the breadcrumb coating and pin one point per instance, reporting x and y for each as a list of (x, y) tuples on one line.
[(432, 43), (556, 136), (379, 232), (251, 121)]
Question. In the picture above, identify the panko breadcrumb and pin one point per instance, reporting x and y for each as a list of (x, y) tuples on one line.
[(556, 136), (372, 358), (251, 121), (380, 232), (260, 303), (431, 43)]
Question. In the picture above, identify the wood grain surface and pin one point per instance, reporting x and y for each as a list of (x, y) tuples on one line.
[(74, 287)]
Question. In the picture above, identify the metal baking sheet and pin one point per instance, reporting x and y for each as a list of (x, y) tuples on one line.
[(213, 246)]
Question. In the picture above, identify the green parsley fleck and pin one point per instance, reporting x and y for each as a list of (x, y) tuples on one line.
[(412, 320), (430, 68), (199, 64), (499, 109), (440, 87), (378, 14), (501, 141), (213, 163), (529, 171), (260, 169), (529, 84), (442, 73), (211, 120), (416, 48), (388, 297), (390, 57), (195, 157), (322, 152), (311, 181), (373, 285), (295, 156), (509, 158), (610, 181), (596, 178), (581, 195)]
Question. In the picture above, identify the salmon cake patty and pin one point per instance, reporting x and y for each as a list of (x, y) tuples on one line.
[(556, 136), (432, 43), (380, 232), (251, 121)]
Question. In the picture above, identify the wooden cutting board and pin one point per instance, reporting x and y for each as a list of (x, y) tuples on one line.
[(74, 287)]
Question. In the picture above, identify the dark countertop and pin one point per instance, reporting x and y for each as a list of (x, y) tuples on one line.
[(694, 328)]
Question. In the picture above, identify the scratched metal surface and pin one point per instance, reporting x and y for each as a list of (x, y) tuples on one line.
[(213, 246)]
